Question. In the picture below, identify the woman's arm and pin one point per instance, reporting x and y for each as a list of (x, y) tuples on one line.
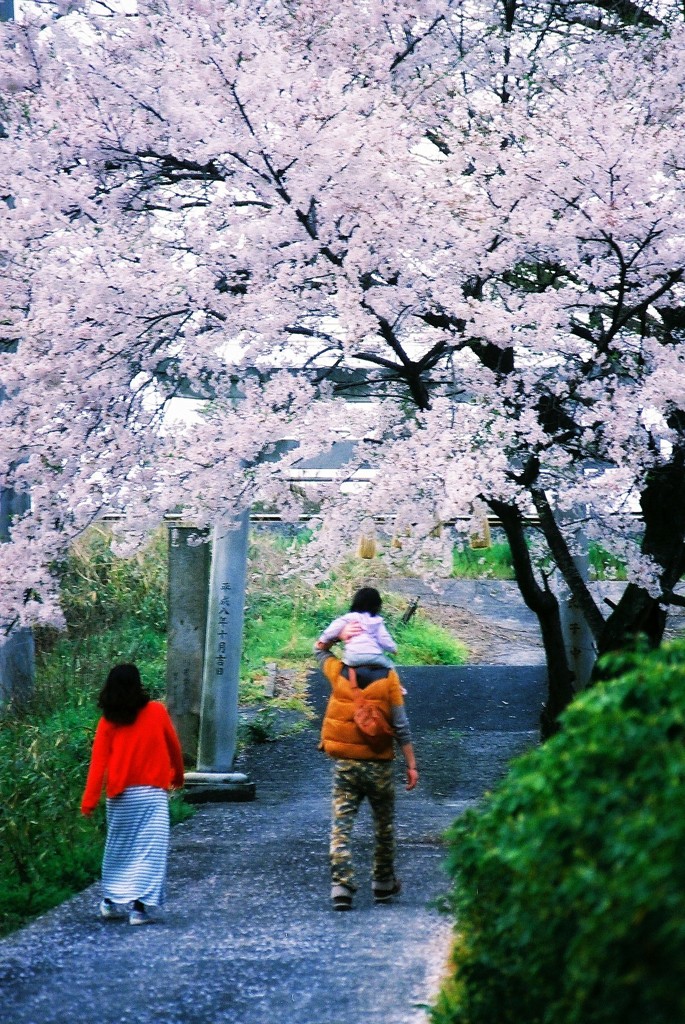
[(98, 767)]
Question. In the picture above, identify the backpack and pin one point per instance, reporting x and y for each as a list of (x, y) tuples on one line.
[(368, 717)]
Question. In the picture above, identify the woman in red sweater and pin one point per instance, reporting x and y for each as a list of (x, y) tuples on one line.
[(137, 757)]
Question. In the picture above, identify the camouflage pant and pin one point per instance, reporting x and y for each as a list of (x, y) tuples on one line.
[(352, 781)]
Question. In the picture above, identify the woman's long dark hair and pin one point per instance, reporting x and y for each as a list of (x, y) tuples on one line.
[(122, 696), (366, 600)]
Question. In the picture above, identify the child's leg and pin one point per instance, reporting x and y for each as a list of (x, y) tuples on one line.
[(372, 660), (380, 661)]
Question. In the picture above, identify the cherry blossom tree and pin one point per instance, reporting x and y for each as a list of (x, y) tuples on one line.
[(478, 205)]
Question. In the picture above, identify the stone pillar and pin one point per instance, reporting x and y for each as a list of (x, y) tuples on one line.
[(17, 668), (214, 778), (17, 652), (189, 558)]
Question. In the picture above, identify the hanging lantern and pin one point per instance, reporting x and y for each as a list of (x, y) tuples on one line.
[(367, 547), (479, 538)]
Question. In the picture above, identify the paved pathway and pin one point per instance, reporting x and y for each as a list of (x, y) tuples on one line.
[(488, 615), (491, 618), (249, 937)]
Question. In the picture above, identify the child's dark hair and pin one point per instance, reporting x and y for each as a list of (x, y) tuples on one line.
[(122, 696), (367, 600)]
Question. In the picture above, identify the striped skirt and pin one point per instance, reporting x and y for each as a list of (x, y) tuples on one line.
[(135, 860)]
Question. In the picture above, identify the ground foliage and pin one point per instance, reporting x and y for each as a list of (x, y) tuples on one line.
[(569, 883), (495, 562), (99, 589)]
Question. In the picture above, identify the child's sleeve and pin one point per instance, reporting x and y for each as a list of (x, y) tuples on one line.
[(332, 632), (385, 640)]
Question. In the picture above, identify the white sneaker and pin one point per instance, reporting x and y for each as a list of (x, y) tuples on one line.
[(341, 897), (110, 911), (139, 915)]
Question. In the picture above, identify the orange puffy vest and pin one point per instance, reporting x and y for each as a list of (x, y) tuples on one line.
[(340, 737)]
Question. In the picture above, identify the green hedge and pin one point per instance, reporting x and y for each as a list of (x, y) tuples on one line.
[(569, 880)]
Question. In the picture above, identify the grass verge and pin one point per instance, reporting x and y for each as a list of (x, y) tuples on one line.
[(495, 563)]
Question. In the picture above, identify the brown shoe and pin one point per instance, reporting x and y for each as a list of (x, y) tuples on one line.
[(341, 897), (383, 893)]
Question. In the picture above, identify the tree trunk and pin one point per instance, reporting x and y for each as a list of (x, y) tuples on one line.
[(663, 509), (544, 603)]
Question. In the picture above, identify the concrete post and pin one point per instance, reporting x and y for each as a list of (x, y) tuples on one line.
[(17, 656), (189, 559), (17, 652), (221, 672), (17, 668)]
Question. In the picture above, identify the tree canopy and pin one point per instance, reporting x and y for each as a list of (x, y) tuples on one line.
[(478, 204)]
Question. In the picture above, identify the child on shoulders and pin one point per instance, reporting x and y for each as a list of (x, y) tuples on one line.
[(369, 645)]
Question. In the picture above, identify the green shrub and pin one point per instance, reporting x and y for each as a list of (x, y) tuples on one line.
[(604, 565), (98, 590), (495, 563), (423, 643), (47, 850), (73, 665), (569, 880)]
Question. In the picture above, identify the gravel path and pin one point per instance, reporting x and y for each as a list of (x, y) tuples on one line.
[(489, 616), (249, 936)]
